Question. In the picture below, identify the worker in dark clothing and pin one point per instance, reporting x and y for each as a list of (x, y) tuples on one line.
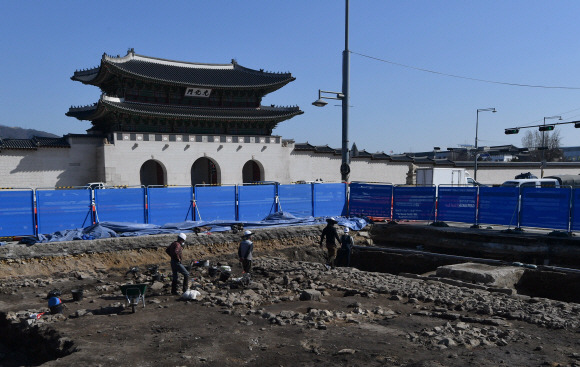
[(329, 232), (174, 250), (347, 242), (245, 252)]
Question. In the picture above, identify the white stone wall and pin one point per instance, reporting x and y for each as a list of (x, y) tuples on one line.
[(50, 167), (118, 162)]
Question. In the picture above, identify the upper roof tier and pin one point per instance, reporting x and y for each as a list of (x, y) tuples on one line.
[(179, 73)]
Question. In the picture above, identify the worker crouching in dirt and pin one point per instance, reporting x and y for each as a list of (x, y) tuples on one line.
[(329, 232), (245, 252), (174, 250)]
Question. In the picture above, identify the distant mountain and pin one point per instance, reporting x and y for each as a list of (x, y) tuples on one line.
[(20, 133)]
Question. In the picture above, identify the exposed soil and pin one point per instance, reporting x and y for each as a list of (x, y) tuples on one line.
[(354, 323)]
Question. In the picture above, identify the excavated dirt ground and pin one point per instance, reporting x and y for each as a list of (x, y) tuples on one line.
[(99, 331)]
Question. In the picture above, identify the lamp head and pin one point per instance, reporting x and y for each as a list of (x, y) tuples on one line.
[(319, 103)]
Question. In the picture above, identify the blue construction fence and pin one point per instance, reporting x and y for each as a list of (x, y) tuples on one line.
[(30, 212), (27, 212)]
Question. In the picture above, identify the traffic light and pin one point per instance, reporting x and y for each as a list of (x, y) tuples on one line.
[(577, 125), (514, 130), (546, 128)]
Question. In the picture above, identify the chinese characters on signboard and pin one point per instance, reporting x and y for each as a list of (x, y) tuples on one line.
[(197, 92)]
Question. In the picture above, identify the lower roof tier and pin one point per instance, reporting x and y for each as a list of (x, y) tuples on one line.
[(117, 114)]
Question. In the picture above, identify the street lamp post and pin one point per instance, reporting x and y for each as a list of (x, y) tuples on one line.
[(492, 109), (344, 96), (544, 143)]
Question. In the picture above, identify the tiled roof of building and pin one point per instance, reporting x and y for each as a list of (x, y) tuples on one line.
[(304, 146), (401, 158), (363, 154), (34, 143), (106, 104), (381, 155), (182, 73), (326, 149)]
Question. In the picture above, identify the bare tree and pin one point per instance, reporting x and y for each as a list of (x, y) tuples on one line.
[(535, 141)]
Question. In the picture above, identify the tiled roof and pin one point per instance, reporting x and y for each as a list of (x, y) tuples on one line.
[(326, 149), (360, 153), (363, 154), (304, 146), (34, 143), (423, 159), (106, 104), (381, 155), (183, 73), (401, 158)]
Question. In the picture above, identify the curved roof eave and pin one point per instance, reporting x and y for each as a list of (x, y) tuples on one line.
[(107, 104), (179, 73)]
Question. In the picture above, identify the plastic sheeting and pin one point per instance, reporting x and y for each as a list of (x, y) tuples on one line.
[(329, 199), (545, 207), (256, 202), (414, 203), (173, 204), (372, 200), (16, 213), (457, 204), (498, 205), (296, 199), (124, 229), (215, 203), (59, 210), (127, 205)]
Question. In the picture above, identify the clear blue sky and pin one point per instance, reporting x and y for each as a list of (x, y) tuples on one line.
[(394, 108)]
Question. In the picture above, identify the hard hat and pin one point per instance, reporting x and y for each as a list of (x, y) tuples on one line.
[(331, 220), (346, 230), (182, 236), (247, 233)]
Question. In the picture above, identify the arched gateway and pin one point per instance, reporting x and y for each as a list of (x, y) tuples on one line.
[(152, 173), (252, 172), (205, 171)]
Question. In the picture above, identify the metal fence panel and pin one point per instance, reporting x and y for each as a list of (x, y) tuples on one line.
[(169, 204), (545, 207), (498, 205), (256, 202), (16, 213), (329, 199), (296, 199), (59, 210), (215, 203), (457, 204), (414, 203), (120, 205), (371, 200), (575, 220)]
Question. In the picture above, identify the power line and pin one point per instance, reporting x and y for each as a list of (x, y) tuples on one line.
[(462, 77)]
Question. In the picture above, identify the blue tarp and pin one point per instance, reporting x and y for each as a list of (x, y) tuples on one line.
[(125, 229)]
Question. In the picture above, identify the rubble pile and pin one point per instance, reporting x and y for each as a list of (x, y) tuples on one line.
[(466, 335)]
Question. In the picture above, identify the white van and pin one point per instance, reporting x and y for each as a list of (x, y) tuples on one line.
[(532, 182)]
